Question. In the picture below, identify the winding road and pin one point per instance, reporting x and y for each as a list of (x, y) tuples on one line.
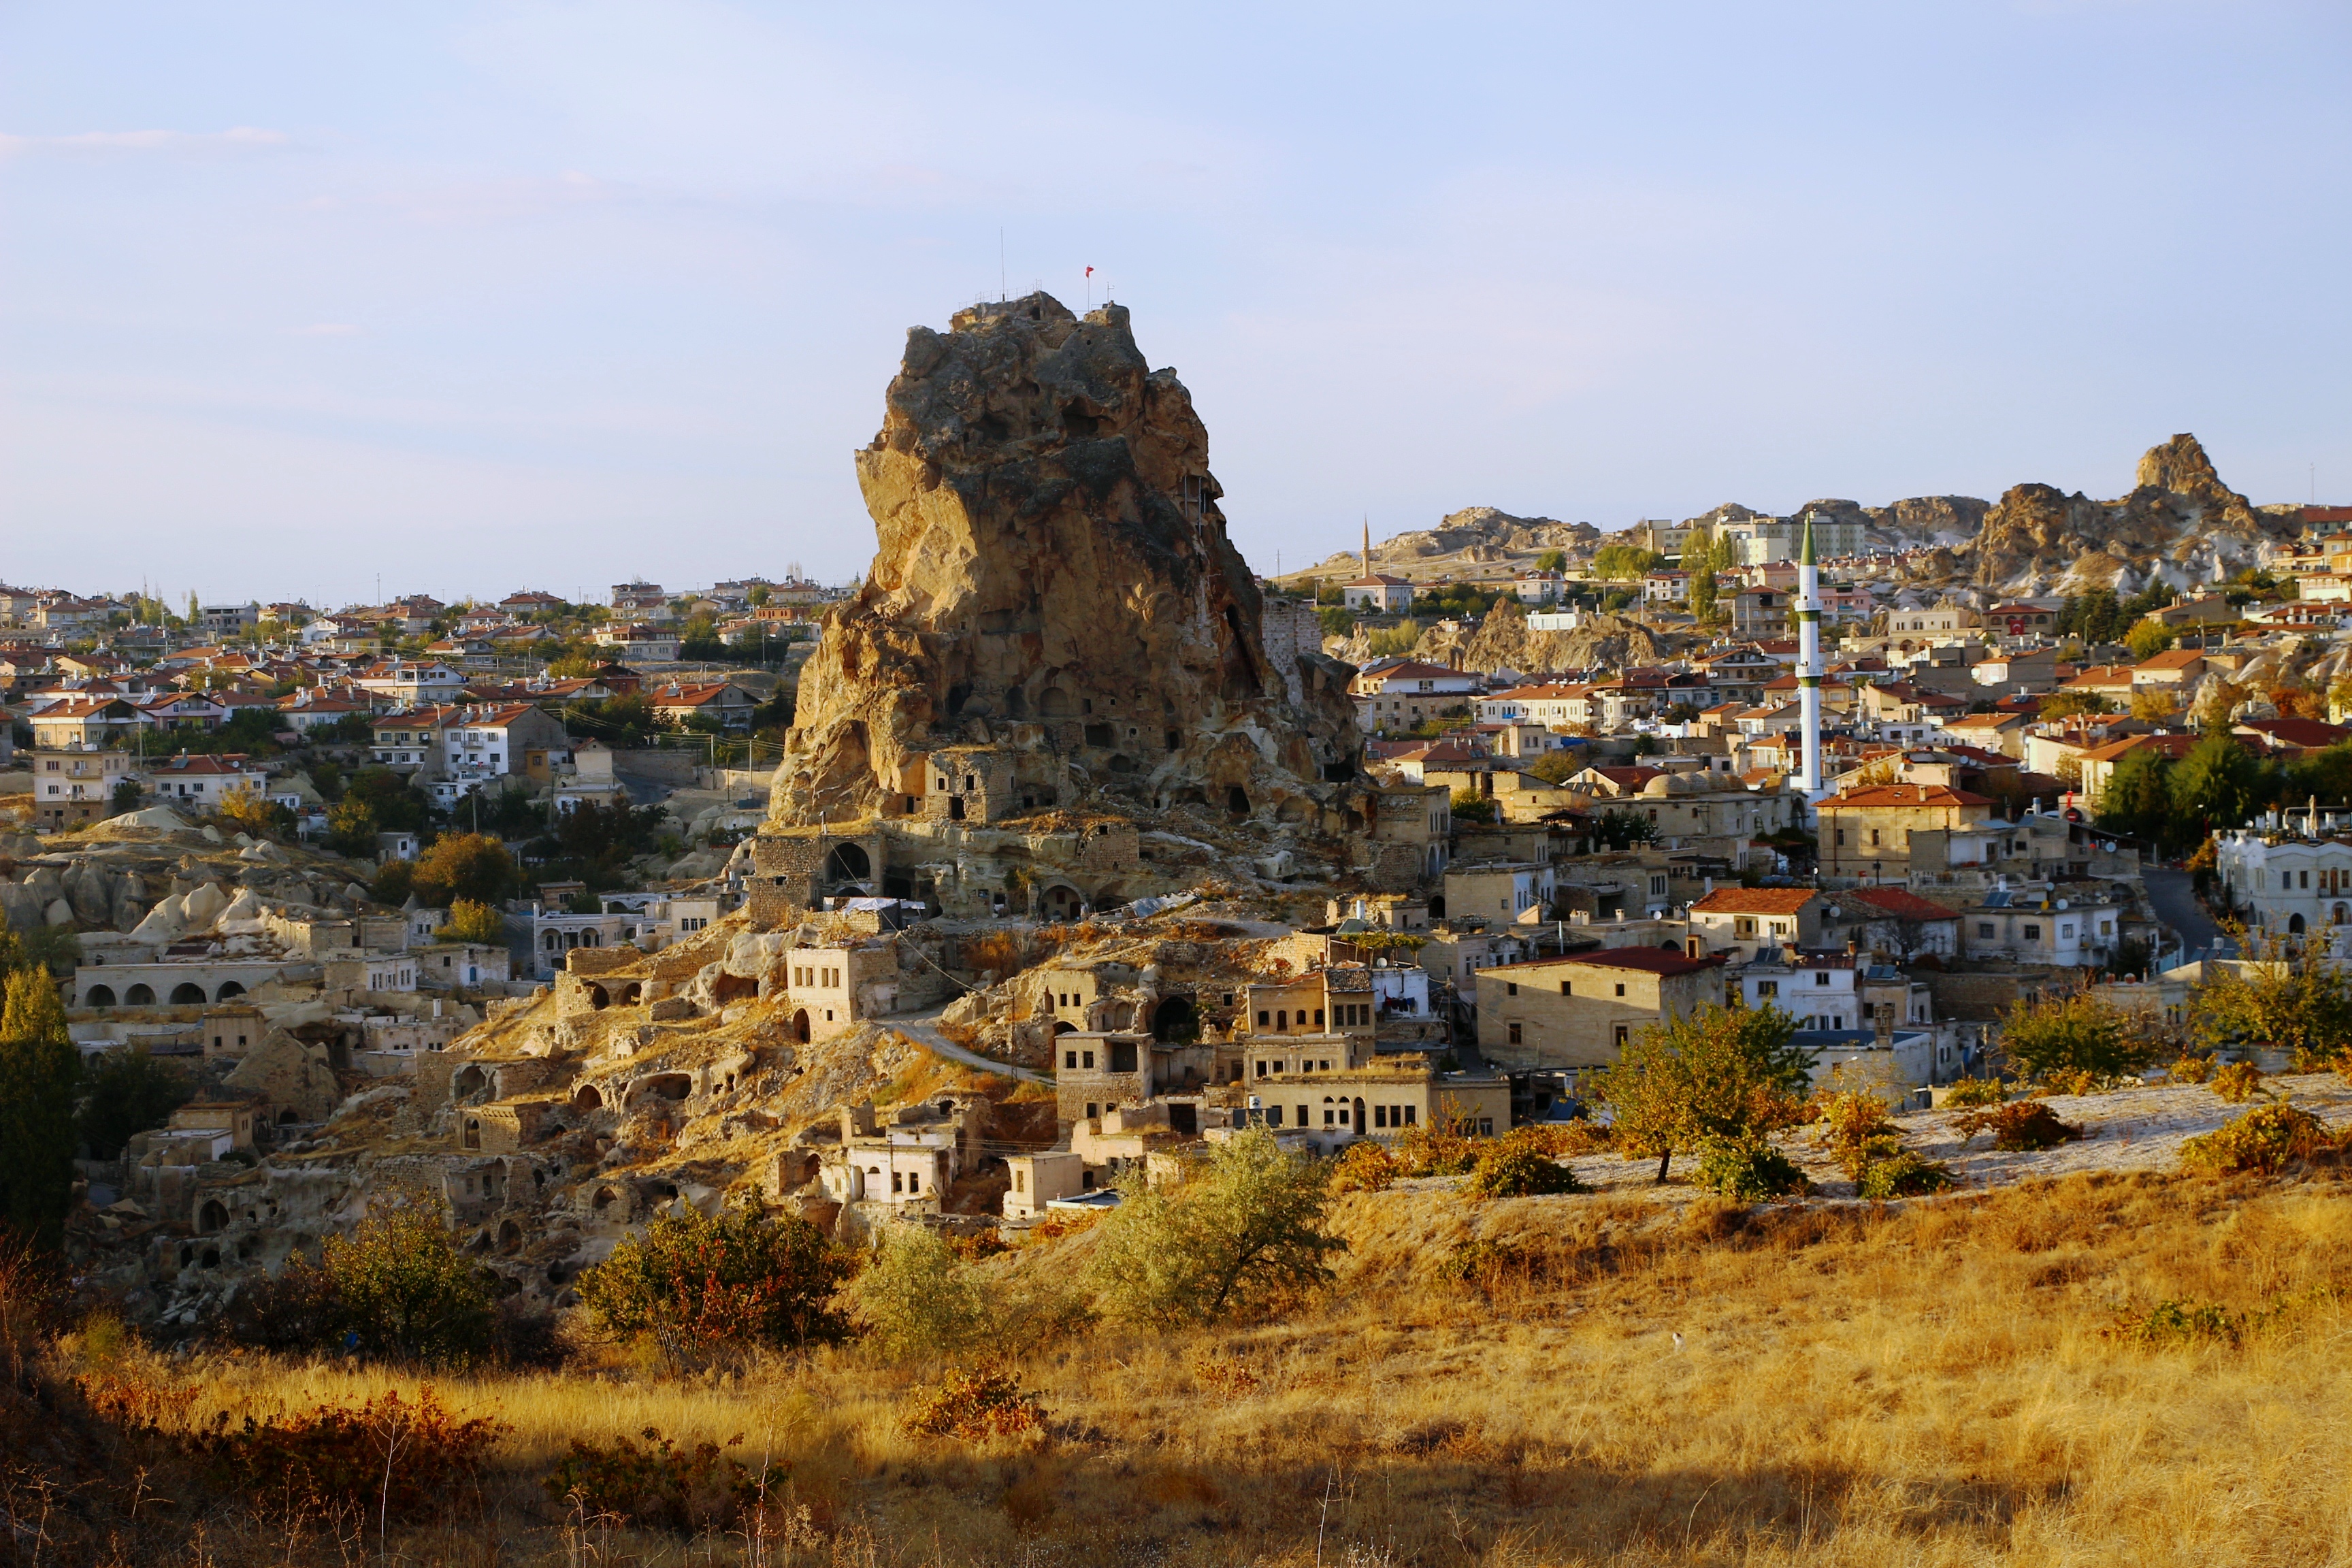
[(2172, 895)]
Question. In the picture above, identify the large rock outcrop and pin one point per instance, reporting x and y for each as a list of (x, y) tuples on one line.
[(1055, 591), (2179, 520)]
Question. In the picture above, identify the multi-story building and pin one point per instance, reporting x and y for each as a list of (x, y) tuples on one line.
[(2285, 883), (75, 785), (1577, 1012)]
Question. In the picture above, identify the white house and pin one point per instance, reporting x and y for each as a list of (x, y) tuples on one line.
[(1378, 591), (1400, 696), (1536, 588), (203, 781), (2286, 883)]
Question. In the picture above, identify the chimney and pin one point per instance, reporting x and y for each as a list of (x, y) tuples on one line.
[(1884, 1023)]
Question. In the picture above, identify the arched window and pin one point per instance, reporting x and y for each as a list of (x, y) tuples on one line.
[(2295, 926)]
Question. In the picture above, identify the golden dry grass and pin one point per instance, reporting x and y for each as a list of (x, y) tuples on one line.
[(1930, 1384)]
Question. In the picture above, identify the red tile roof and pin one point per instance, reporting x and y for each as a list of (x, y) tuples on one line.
[(1899, 904), (1755, 900), (1656, 960)]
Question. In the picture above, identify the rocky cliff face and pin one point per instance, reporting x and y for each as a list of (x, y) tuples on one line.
[(1476, 533), (2179, 520), (1053, 581)]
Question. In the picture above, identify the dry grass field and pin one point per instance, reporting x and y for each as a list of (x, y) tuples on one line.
[(1971, 1380)]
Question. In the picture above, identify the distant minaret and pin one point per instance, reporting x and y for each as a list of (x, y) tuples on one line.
[(1809, 662), (1367, 546)]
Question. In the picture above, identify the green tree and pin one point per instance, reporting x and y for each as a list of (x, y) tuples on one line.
[(2148, 639), (1244, 1236), (2076, 1032), (1715, 1075), (916, 1298), (472, 866), (2215, 785), (1623, 563), (2066, 704), (405, 1292), (129, 1092), (396, 808), (1557, 767), (125, 797), (694, 1283), (2136, 801), (1622, 829), (2286, 992), (470, 921), (1552, 561), (350, 826), (1469, 806), (1702, 561), (41, 1071)]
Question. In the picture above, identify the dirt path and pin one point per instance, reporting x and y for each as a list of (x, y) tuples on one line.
[(923, 1029)]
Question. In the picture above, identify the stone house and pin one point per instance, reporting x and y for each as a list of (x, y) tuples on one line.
[(1892, 920), (1570, 1013), (1745, 923), (1036, 1180), (1866, 833), (830, 988), (1501, 892), (1382, 1099)]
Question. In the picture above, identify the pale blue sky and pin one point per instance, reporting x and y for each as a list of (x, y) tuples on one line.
[(552, 294)]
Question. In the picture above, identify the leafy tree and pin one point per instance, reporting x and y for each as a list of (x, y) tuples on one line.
[(396, 806), (1624, 828), (129, 1092), (1245, 1236), (126, 797), (1552, 561), (2066, 704), (2148, 639), (1623, 563), (1397, 638), (249, 811), (1557, 767), (2153, 703), (1702, 561), (472, 866), (1469, 806), (2216, 784), (2286, 992), (921, 1297), (395, 880), (2074, 1033), (350, 826), (1339, 621), (402, 1291), (2137, 800), (40, 1070), (1715, 1075), (472, 921), (694, 1283)]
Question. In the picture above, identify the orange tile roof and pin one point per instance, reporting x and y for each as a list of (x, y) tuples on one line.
[(1755, 900), (1907, 795)]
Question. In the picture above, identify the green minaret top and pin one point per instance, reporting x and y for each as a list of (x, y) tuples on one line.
[(1805, 556)]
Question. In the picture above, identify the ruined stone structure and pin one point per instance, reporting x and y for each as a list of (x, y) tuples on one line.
[(1054, 621)]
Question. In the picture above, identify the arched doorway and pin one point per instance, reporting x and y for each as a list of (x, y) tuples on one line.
[(733, 988), (1176, 1020), (469, 1081), (599, 998), (103, 995), (510, 1239), (228, 988), (588, 1099), (213, 1217), (2295, 926), (666, 1086), (631, 993), (1062, 902), (187, 993), (800, 1025), (847, 863), (139, 996)]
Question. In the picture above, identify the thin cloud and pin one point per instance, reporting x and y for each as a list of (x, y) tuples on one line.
[(236, 138)]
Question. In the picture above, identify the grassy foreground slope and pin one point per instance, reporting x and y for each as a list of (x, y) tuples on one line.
[(2102, 1368)]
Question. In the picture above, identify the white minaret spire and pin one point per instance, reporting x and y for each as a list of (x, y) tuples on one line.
[(1809, 662)]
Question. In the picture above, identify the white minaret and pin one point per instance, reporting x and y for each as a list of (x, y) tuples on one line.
[(1809, 663)]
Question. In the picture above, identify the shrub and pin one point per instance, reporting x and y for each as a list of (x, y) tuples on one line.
[(471, 922), (2191, 1069), (987, 1403), (1715, 1075), (656, 1485), (1244, 1236), (1748, 1170), (1481, 1263), (2170, 1323), (1435, 1151), (1366, 1166), (471, 866), (1974, 1091), (388, 1457), (2238, 1082), (918, 1297), (1225, 1378), (129, 1092), (1857, 1129), (401, 1291), (2076, 1033), (1512, 1170), (2264, 1140), (2021, 1126), (2070, 1081), (1904, 1175), (696, 1283)]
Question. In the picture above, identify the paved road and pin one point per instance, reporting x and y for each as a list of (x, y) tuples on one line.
[(2170, 894), (923, 1029)]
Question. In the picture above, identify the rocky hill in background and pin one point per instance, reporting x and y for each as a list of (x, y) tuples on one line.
[(1477, 535)]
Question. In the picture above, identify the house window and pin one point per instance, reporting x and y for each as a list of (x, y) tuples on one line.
[(1820, 978), (1515, 1034), (1984, 927), (1621, 990), (1623, 1034), (1565, 989), (1512, 986), (2033, 933), (1090, 1062)]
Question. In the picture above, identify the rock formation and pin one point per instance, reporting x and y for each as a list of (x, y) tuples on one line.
[(1475, 532), (1053, 588), (2181, 520)]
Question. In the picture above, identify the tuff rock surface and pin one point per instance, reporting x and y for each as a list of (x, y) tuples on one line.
[(1053, 579)]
